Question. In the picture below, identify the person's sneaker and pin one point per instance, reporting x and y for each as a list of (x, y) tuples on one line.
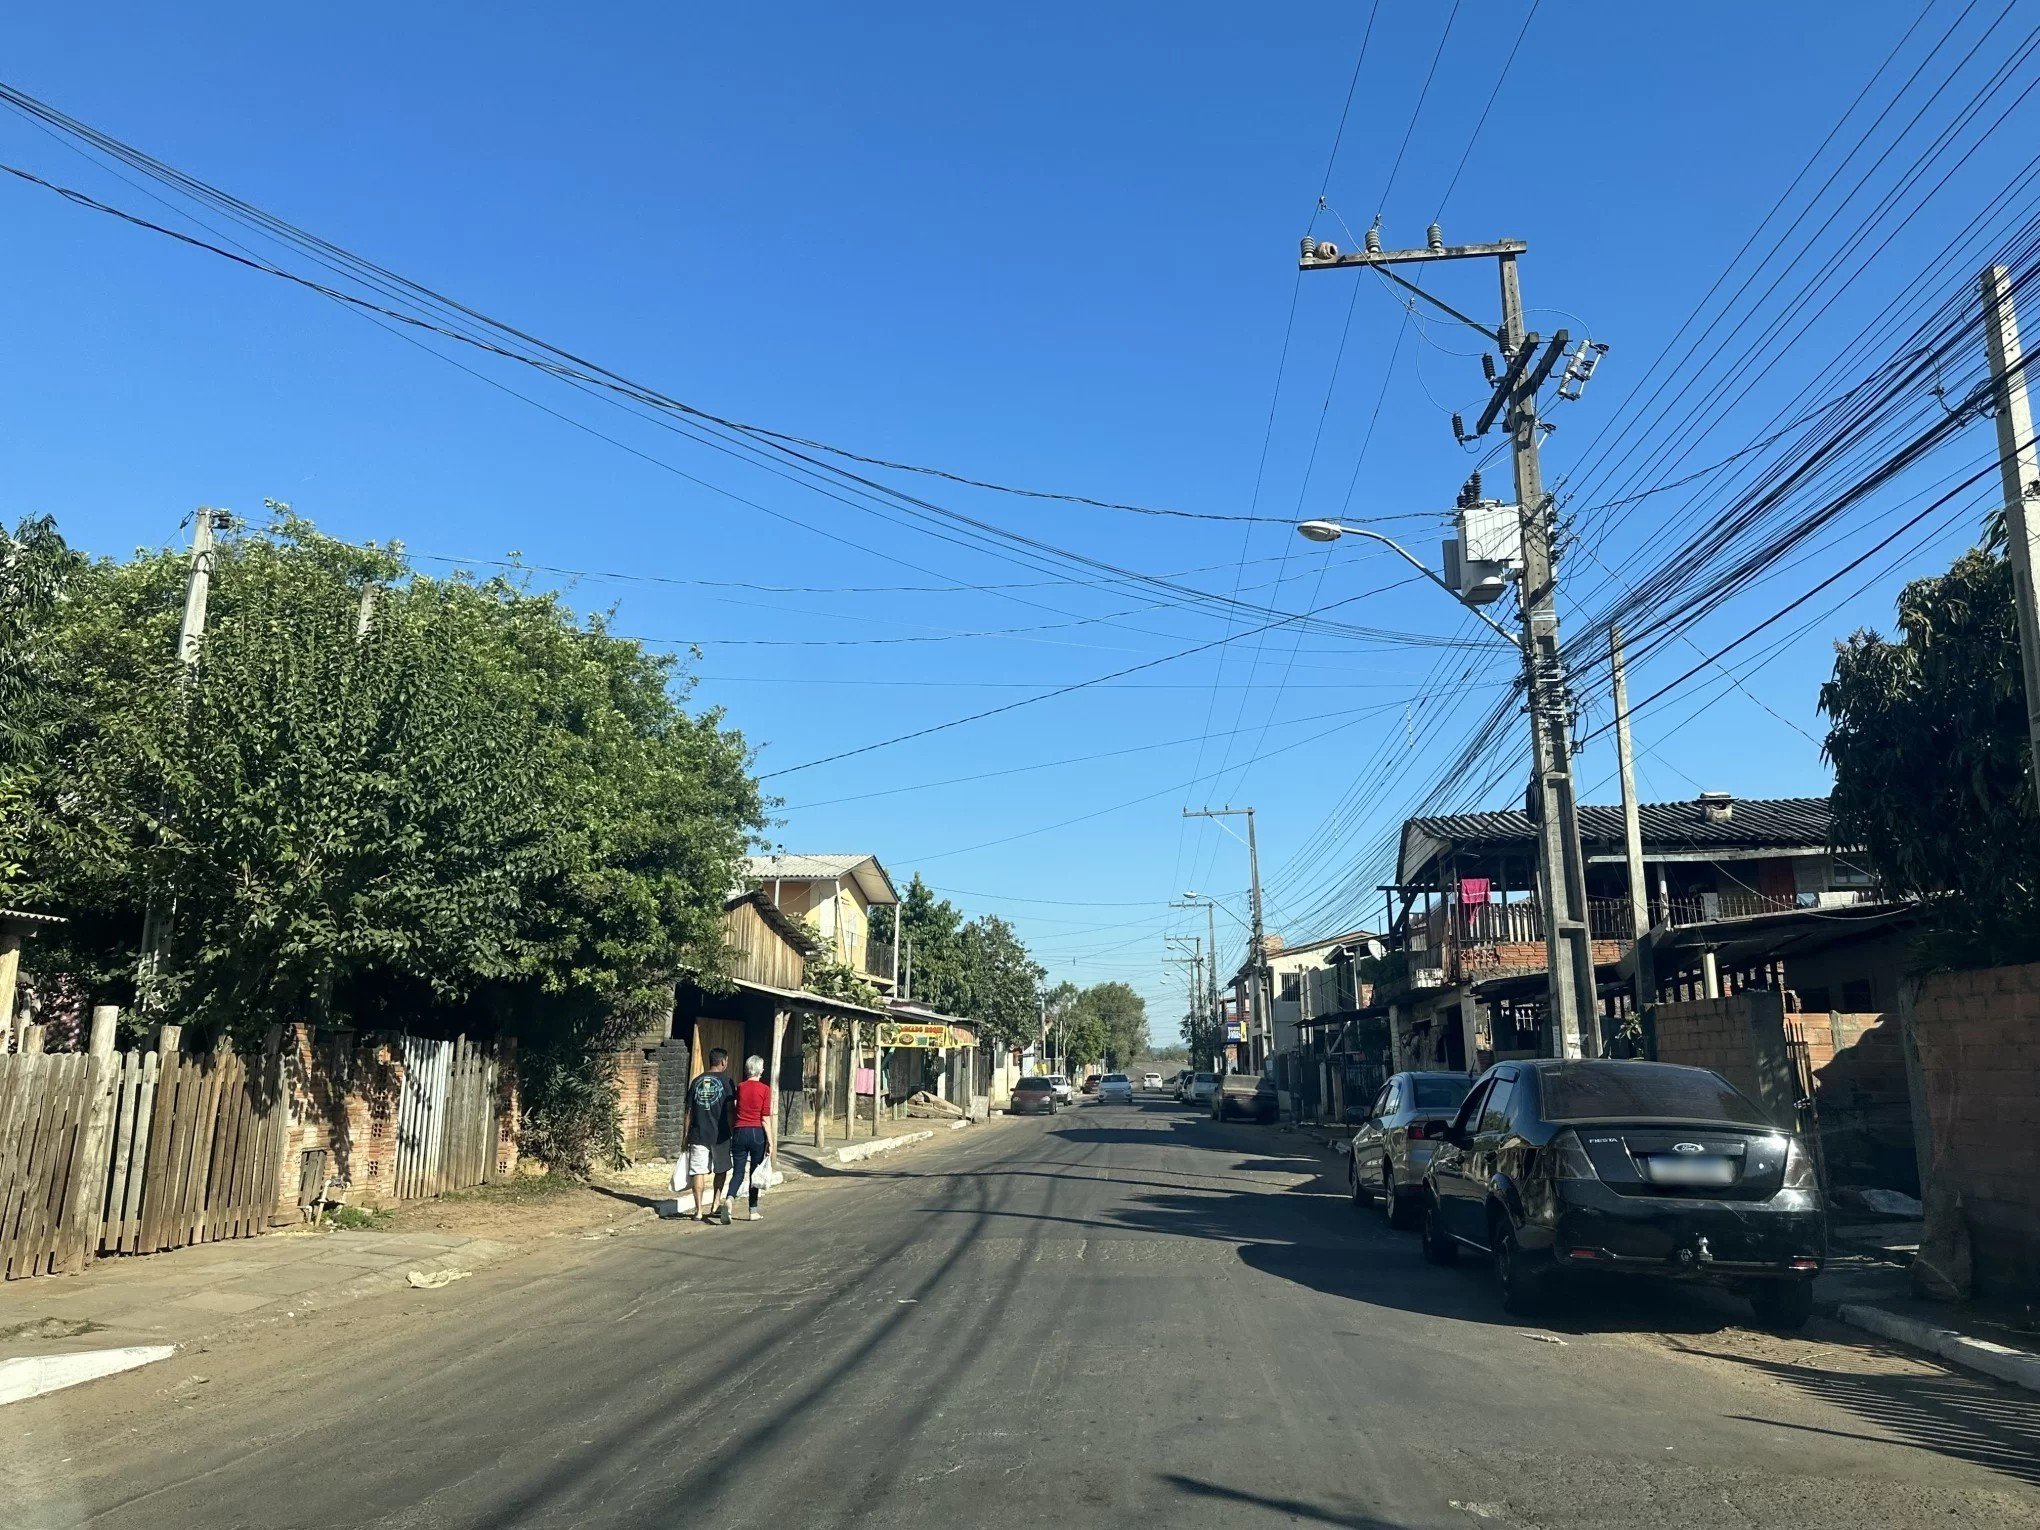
[(757, 1215), (723, 1214)]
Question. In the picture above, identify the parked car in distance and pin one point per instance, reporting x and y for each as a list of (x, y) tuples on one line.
[(1393, 1146), (1033, 1097), (1091, 1084), (1244, 1094), (1198, 1087), (1553, 1167), (1181, 1083), (1061, 1084), (1151, 1081), (1115, 1089)]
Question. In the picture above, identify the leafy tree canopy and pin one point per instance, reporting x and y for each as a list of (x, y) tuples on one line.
[(976, 969), (1933, 767)]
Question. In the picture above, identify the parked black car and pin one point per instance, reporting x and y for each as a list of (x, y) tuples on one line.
[(1032, 1096), (1392, 1147), (1553, 1167)]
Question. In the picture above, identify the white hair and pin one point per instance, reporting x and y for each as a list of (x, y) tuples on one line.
[(754, 1067)]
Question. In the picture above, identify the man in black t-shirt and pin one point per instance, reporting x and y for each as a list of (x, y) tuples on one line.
[(705, 1144)]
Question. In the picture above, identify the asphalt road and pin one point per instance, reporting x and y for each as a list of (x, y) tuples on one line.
[(1117, 1316)]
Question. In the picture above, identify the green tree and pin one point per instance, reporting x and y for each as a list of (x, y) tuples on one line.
[(1933, 767), (978, 970), (477, 812), (1121, 1016)]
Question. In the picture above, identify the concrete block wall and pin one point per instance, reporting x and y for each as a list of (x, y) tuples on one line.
[(1979, 1045), (1861, 1096), (1709, 1033)]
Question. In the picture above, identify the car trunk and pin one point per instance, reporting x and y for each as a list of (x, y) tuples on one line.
[(1672, 1161)]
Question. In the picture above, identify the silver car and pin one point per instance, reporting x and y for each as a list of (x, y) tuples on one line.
[(1115, 1089), (1198, 1088), (1393, 1146), (1061, 1085)]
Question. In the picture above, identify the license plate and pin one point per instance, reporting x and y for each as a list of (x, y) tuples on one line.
[(1662, 1169)]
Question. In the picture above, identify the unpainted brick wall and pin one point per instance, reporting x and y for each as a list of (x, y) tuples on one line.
[(637, 1098), (344, 1090), (1709, 1033), (1979, 1044), (1860, 1095)]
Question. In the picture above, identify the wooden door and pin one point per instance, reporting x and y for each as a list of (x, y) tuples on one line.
[(727, 1034)]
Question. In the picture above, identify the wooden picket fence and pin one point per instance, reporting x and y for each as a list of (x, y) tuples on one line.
[(133, 1152), (446, 1118)]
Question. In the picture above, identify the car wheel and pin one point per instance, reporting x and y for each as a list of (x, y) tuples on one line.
[(1522, 1291), (1438, 1245), (1353, 1186), (1395, 1203), (1783, 1303)]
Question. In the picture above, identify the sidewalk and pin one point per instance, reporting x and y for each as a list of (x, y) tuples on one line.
[(190, 1295)]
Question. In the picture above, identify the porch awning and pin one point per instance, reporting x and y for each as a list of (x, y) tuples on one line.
[(800, 998)]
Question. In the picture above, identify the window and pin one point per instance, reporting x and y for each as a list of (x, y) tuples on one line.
[(1380, 1105), (1392, 1099), (1470, 1111), (1816, 1001), (1289, 987), (1440, 1093), (1494, 1113), (1858, 996), (1601, 1091)]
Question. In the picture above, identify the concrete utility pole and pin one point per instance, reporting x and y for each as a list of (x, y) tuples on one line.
[(1632, 840), (1257, 961), (2019, 458), (1525, 363), (157, 917)]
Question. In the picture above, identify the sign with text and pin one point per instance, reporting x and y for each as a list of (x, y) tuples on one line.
[(1235, 1030), (901, 1033)]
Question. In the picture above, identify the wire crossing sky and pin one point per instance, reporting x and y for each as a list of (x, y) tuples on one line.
[(946, 379)]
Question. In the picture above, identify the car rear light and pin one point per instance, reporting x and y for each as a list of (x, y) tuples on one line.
[(1587, 1253), (1798, 1166), (1569, 1158), (1803, 1262)]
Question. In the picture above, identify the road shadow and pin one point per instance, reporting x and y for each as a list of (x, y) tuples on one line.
[(1295, 1508), (1946, 1412)]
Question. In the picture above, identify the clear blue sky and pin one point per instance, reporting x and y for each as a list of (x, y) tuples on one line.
[(1050, 245)]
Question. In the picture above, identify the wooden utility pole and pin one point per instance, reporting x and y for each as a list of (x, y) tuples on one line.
[(2019, 459), (1526, 363)]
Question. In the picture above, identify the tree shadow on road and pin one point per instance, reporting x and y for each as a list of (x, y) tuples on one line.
[(1295, 1508), (1946, 1412)]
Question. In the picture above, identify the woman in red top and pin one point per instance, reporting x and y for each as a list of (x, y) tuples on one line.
[(751, 1145)]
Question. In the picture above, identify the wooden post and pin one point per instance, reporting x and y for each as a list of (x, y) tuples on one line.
[(856, 1060), (877, 1085), (821, 1080), (778, 1040), (10, 973)]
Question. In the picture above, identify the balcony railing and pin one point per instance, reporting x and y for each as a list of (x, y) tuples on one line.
[(878, 956)]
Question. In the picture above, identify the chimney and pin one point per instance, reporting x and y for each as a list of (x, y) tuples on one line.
[(1717, 807)]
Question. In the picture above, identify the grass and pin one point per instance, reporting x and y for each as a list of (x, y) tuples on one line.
[(517, 1192), (359, 1218)]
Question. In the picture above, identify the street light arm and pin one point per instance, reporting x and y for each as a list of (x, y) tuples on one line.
[(1425, 569)]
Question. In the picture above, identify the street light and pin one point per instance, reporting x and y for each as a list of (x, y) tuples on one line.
[(1331, 531)]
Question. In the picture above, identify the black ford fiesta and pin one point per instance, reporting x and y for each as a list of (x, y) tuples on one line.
[(1553, 1167)]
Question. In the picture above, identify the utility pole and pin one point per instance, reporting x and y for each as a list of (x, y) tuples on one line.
[(1632, 840), (1257, 960), (157, 917), (1526, 361), (2019, 459)]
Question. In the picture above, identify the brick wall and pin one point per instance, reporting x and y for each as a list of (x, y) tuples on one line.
[(1860, 1095), (1709, 1033), (344, 1090), (637, 1098), (1979, 1044)]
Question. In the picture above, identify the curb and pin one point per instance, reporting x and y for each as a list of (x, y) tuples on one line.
[(2015, 1366), (856, 1152), (33, 1375)]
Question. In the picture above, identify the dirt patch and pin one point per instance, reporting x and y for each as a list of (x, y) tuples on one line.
[(539, 1206)]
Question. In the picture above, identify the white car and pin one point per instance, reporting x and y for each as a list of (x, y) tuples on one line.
[(1115, 1089), (1061, 1084), (1151, 1081), (1200, 1087)]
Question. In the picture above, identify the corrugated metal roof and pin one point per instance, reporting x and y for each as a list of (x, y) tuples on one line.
[(871, 877), (1752, 822)]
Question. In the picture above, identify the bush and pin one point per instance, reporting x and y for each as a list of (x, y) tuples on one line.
[(570, 1116)]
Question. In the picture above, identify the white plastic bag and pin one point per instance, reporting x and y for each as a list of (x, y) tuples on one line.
[(681, 1183)]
